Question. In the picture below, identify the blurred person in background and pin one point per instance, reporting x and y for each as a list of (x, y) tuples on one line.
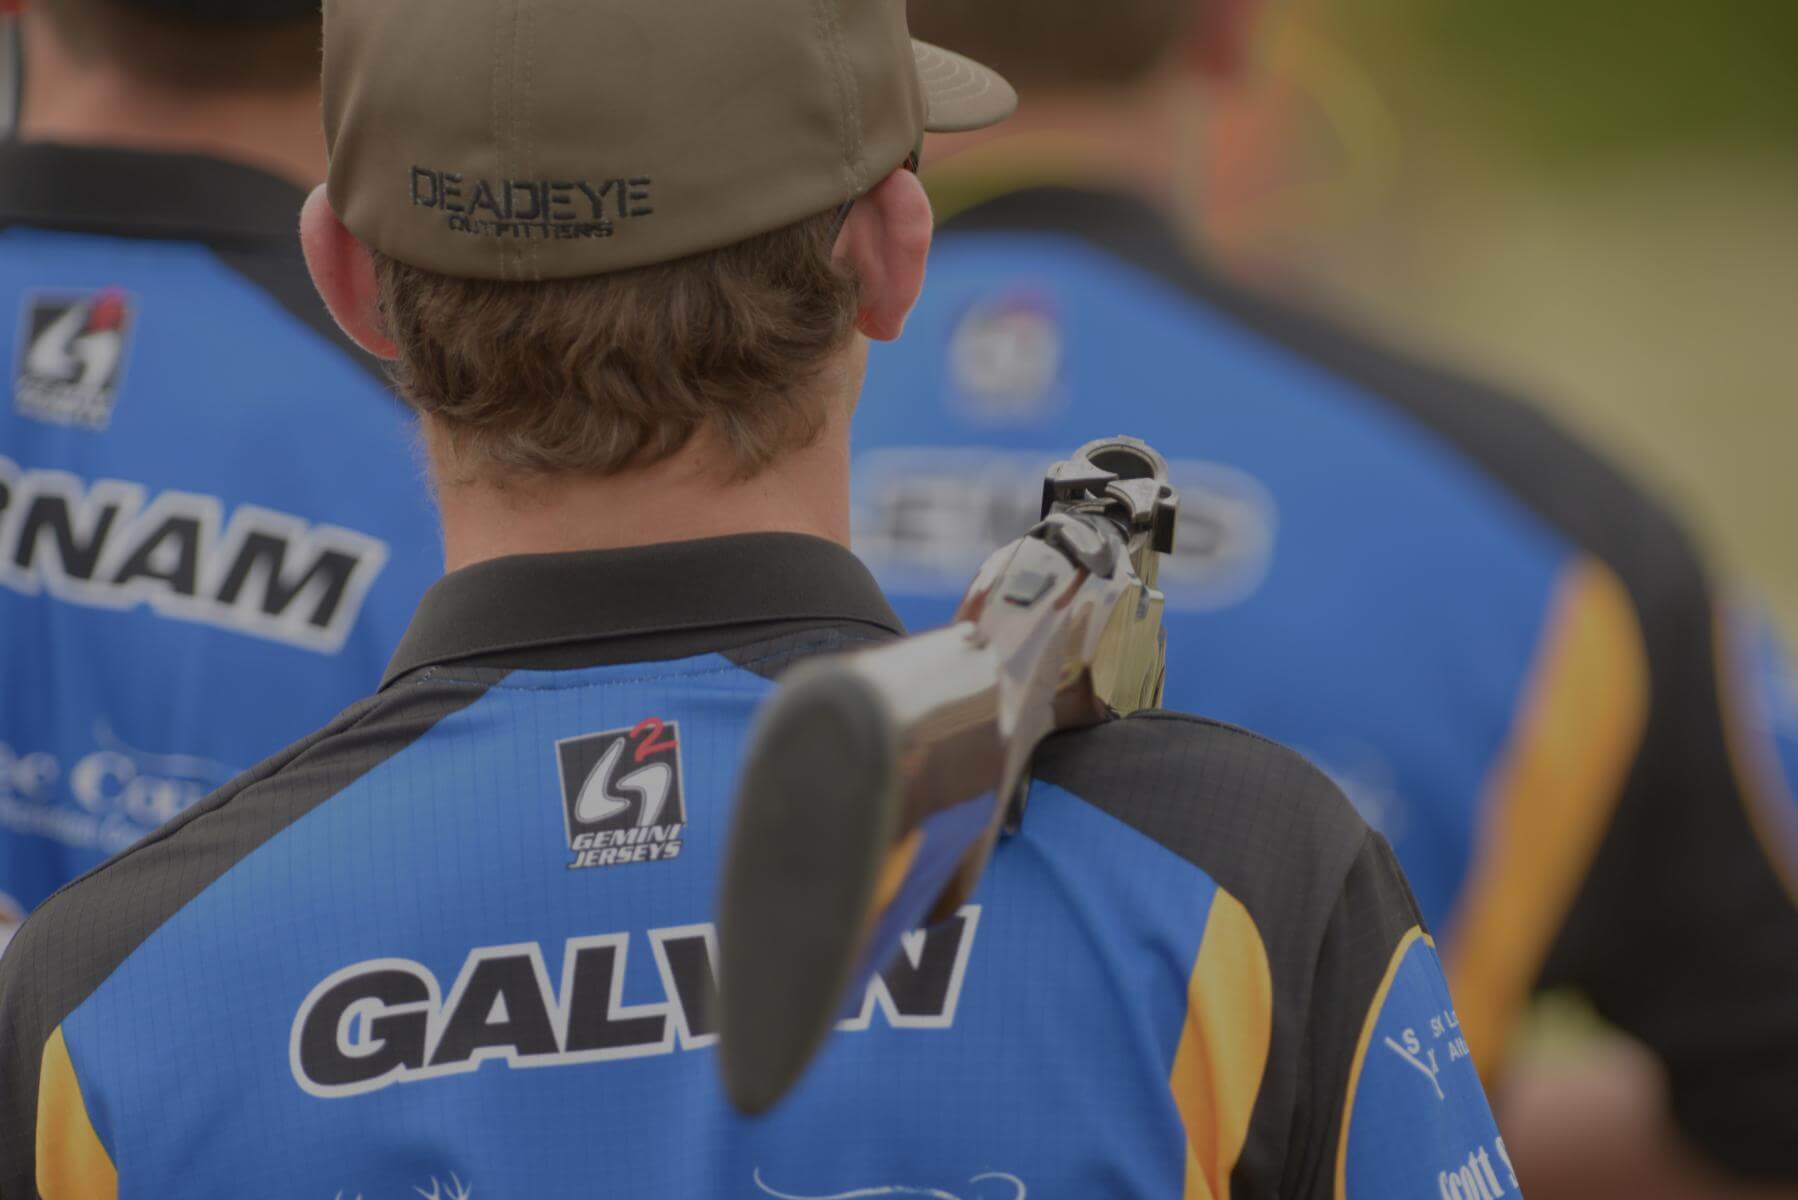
[(200, 477), (1515, 661)]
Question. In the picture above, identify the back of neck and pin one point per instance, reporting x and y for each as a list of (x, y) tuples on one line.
[(278, 131), (681, 499)]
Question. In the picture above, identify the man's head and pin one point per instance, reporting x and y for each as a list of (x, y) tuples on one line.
[(597, 374), (1074, 45), (589, 234), (200, 45)]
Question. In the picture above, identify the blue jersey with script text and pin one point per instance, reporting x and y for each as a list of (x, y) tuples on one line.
[(212, 526)]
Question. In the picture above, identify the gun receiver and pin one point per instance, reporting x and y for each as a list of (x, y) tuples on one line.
[(877, 783)]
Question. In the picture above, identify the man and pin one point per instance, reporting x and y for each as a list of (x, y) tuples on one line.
[(628, 259), (1515, 664), (200, 477)]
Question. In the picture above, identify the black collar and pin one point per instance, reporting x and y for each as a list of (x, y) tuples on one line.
[(95, 189), (637, 600), (1134, 231), (1124, 225)]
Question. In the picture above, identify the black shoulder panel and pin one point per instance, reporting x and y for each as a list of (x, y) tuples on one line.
[(1272, 831), (78, 937), (1576, 491), (1237, 806), (1373, 915)]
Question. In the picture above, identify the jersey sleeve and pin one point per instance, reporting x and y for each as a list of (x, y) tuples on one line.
[(54, 1120), (18, 1098), (48, 1144), (1685, 935), (1757, 684), (1395, 1105)]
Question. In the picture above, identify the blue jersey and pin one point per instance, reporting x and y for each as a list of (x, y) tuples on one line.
[(1511, 661), (461, 944), (200, 481)]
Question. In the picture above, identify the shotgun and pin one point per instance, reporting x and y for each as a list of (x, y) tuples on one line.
[(877, 783)]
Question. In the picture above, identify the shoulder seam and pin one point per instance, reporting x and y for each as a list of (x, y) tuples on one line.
[(231, 793), (1286, 752), (1323, 931), (1180, 718)]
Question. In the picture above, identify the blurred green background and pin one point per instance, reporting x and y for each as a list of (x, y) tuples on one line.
[(1596, 203), (1572, 87)]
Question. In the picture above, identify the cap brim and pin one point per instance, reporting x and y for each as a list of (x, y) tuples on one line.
[(961, 94)]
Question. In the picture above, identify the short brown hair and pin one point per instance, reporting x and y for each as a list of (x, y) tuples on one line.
[(191, 54), (1045, 44), (598, 374)]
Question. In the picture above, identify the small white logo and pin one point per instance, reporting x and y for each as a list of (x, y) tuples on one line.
[(1423, 1060), (990, 1185), (1005, 361), (73, 357), (455, 1189), (1445, 1034)]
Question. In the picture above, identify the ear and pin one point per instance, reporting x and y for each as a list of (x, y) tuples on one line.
[(343, 270), (886, 241)]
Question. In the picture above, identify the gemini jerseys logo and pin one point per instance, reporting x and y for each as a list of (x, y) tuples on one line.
[(72, 357), (621, 795)]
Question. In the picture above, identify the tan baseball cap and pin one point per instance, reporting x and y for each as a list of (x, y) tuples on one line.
[(547, 139)]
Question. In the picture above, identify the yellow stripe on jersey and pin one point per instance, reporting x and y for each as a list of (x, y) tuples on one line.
[(1223, 1050), (895, 870), (1549, 801), (71, 1162), (1754, 757), (1368, 1026)]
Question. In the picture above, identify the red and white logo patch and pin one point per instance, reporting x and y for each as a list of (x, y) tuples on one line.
[(71, 357)]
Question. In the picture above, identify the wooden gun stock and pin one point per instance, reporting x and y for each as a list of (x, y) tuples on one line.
[(877, 783)]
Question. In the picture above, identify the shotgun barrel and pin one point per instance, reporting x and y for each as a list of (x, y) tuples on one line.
[(878, 782)]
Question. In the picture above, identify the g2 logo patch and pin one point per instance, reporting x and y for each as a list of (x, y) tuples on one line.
[(1006, 362), (621, 795), (72, 357)]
